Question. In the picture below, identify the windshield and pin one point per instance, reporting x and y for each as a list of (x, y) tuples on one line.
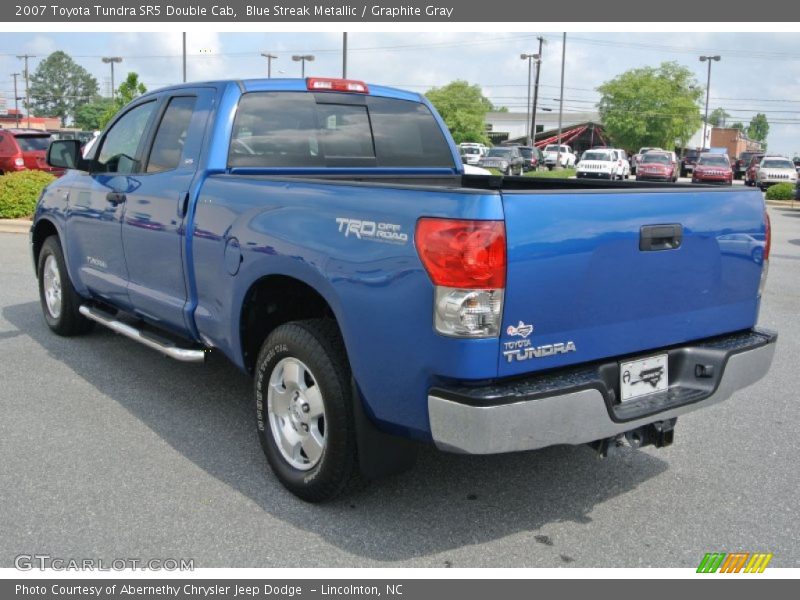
[(713, 161), (594, 155), (654, 157), (777, 164), (499, 152), (470, 151), (526, 152), (31, 143), (554, 148)]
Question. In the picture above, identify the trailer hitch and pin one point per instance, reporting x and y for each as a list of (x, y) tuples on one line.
[(659, 434)]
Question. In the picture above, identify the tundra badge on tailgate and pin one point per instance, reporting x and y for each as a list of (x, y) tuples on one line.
[(523, 349)]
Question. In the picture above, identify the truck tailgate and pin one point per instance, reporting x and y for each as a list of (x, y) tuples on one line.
[(577, 276)]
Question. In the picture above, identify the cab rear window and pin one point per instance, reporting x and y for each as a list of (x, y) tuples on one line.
[(291, 129)]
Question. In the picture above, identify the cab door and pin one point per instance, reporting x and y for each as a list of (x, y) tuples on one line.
[(97, 204), (153, 232)]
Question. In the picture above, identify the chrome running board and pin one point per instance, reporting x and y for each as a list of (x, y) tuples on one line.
[(165, 347)]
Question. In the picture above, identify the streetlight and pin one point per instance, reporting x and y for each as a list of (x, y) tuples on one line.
[(110, 60), (710, 59), (530, 58), (270, 58), (302, 58)]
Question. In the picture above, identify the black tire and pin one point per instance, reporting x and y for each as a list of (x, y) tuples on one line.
[(318, 345), (69, 321)]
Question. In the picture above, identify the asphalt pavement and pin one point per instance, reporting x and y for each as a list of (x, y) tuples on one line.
[(109, 450)]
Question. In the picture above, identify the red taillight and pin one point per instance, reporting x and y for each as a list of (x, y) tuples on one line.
[(327, 84), (767, 235), (463, 254)]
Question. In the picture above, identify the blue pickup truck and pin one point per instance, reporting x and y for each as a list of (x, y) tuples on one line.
[(322, 235)]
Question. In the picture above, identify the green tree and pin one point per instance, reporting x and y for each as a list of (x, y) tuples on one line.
[(651, 106), (738, 125), (59, 86), (129, 89), (718, 117), (759, 128), (91, 116), (463, 108)]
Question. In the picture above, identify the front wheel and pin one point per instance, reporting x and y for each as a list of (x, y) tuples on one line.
[(304, 409), (60, 302)]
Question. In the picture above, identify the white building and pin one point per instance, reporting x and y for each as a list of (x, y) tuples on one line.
[(509, 125)]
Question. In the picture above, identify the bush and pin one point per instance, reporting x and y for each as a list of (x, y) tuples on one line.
[(780, 191), (19, 192)]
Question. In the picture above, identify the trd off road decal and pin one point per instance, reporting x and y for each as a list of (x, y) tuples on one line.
[(374, 231)]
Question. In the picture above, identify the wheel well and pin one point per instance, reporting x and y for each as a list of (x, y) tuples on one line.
[(271, 302), (43, 230)]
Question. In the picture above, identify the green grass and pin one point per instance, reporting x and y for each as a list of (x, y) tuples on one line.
[(562, 174)]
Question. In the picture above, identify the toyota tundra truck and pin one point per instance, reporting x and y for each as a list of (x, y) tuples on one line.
[(322, 235)]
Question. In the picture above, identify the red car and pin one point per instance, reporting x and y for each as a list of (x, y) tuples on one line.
[(713, 168), (658, 166), (750, 173), (22, 149)]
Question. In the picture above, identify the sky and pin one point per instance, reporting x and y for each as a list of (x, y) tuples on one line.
[(758, 72)]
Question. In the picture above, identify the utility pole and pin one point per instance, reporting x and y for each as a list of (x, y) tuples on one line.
[(530, 58), (270, 58), (302, 58), (184, 57), (110, 60), (16, 100), (710, 59), (344, 55), (536, 90), (561, 98), (25, 74)]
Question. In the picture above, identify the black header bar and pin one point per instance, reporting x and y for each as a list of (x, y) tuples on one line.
[(389, 11)]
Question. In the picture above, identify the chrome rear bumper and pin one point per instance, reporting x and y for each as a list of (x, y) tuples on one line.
[(580, 406)]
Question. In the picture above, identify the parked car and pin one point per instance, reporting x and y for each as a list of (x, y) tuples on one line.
[(623, 164), (472, 154), (375, 314), (22, 149), (658, 166), (689, 160), (740, 165), (552, 154), (775, 169), (506, 159), (532, 157), (712, 168), (752, 167), (601, 163), (637, 158), (796, 161), (749, 245)]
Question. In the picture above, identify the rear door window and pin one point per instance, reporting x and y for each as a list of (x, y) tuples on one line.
[(171, 135), (291, 129)]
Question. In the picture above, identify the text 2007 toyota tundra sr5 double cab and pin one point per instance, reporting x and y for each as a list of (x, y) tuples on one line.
[(321, 234)]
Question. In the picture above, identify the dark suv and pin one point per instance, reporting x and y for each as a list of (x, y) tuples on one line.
[(22, 149), (688, 161), (740, 165), (506, 159), (532, 156)]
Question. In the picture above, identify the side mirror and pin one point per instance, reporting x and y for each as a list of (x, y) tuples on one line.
[(66, 154)]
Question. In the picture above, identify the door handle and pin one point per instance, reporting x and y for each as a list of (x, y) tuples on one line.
[(660, 237), (115, 198)]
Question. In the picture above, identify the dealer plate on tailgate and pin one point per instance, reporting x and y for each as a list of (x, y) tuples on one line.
[(644, 376)]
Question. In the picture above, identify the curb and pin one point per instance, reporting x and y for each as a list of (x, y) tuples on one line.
[(15, 225), (783, 203)]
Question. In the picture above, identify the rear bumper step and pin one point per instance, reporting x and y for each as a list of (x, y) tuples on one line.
[(580, 405), (164, 346)]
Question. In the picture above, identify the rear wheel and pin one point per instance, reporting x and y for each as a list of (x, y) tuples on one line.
[(60, 302), (304, 409)]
